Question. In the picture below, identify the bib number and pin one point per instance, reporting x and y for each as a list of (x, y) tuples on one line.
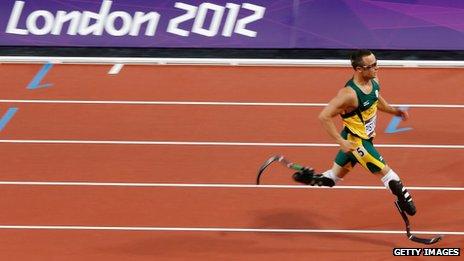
[(370, 126)]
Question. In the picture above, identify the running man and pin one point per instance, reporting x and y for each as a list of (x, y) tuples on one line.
[(357, 104)]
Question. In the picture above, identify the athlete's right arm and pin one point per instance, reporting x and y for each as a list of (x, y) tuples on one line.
[(345, 100)]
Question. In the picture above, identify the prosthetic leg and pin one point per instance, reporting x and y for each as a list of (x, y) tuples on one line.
[(307, 176), (404, 199)]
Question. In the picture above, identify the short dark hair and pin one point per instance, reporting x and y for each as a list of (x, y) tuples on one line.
[(357, 57)]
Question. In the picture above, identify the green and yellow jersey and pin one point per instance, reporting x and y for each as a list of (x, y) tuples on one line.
[(361, 122)]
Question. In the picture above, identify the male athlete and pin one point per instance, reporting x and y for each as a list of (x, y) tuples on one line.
[(357, 104)]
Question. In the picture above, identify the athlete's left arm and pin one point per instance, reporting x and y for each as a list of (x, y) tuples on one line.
[(383, 105)]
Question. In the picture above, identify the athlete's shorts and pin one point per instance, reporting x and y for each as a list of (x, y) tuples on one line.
[(365, 154)]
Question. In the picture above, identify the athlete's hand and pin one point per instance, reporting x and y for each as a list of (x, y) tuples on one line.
[(347, 146), (403, 114)]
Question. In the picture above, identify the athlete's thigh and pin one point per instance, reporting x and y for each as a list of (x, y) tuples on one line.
[(368, 156), (344, 160)]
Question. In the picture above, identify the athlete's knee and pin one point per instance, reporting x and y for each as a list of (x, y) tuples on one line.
[(388, 176), (338, 172), (384, 171)]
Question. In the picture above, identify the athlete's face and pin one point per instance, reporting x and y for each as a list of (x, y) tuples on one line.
[(369, 68)]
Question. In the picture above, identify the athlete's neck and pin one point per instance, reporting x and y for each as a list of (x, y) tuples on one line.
[(361, 80)]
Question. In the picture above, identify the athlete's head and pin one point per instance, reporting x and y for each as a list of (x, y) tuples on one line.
[(364, 63)]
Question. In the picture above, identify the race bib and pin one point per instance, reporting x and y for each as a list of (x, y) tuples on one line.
[(370, 125)]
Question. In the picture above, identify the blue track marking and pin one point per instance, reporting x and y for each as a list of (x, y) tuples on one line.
[(35, 83), (393, 125), (7, 117)]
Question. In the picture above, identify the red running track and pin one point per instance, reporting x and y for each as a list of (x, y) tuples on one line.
[(212, 123), (214, 207), (208, 164), (222, 83)]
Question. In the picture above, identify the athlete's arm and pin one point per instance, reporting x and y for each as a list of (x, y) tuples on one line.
[(345, 99), (385, 107)]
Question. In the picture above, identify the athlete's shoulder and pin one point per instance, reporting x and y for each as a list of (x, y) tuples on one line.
[(347, 91), (347, 96), (349, 83)]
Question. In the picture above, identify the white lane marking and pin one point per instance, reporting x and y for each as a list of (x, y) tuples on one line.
[(197, 185), (216, 143), (216, 103), (221, 229), (223, 61), (116, 69)]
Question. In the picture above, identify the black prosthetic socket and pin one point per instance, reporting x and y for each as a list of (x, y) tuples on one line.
[(404, 198), (308, 177)]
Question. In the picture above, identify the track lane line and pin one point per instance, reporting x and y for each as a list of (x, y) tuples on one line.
[(220, 143), (215, 103), (197, 185), (219, 229), (115, 69)]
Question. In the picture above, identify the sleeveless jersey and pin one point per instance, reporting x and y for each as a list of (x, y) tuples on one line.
[(361, 122)]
